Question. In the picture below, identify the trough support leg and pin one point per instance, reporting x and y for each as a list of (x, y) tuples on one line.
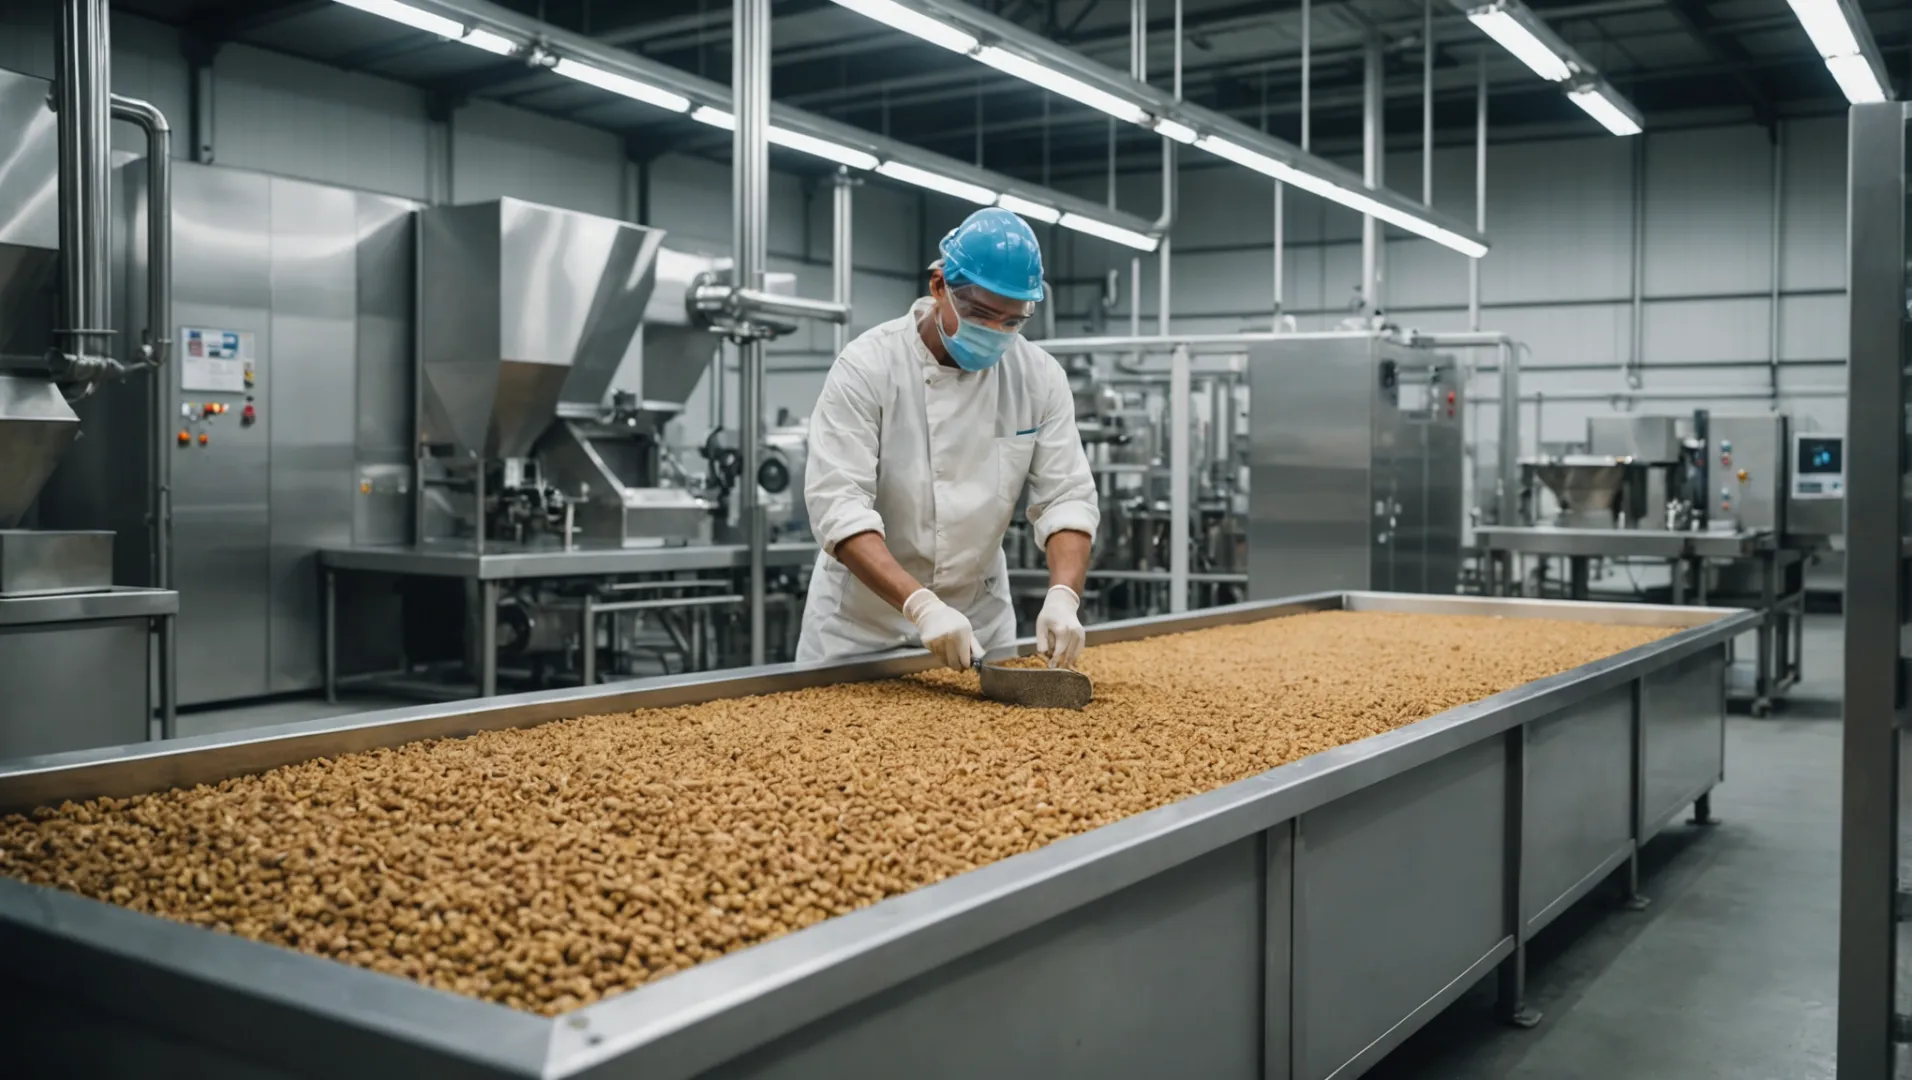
[(1512, 974), (1703, 811), (1631, 899)]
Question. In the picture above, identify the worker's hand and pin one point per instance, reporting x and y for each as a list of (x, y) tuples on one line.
[(1059, 633), (943, 629)]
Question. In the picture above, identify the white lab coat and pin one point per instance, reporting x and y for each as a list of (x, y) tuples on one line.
[(934, 458)]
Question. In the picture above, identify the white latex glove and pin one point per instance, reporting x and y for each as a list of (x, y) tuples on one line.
[(943, 629), (1059, 633)]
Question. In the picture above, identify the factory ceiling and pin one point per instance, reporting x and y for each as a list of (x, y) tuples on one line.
[(1682, 62)]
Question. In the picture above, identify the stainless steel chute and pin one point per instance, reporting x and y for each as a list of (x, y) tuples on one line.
[(527, 311)]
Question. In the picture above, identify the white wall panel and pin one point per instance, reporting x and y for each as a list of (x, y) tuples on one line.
[(500, 151), (1559, 216), (291, 117), (1596, 334), (1708, 212), (1813, 327), (1814, 228), (1707, 331)]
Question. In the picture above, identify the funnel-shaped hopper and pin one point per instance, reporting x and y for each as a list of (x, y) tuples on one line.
[(36, 427), (525, 309), (1587, 486)]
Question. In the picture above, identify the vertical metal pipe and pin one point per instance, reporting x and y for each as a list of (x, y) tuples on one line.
[(1508, 503), (1371, 173), (1307, 72), (843, 249), (82, 95), (1178, 424), (1427, 102), (202, 106), (1281, 252), (1779, 252), (1163, 253), (1636, 354), (750, 181), (1480, 194)]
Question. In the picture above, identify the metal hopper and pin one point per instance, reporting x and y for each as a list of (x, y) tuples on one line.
[(527, 313)]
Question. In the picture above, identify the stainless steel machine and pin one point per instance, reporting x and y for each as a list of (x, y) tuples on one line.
[(1715, 499), (1355, 462), (84, 614)]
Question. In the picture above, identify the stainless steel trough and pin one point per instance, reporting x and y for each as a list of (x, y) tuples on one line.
[(1295, 925)]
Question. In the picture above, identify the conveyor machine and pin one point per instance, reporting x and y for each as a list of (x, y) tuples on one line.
[(1298, 924)]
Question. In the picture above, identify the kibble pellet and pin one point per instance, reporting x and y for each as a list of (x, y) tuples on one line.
[(548, 867)]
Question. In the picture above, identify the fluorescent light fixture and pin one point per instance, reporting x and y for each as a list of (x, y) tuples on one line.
[(496, 44), (1241, 155), (1837, 40), (1826, 25), (1856, 78), (1611, 116), (1180, 132), (1352, 198), (948, 185), (823, 148), (716, 118), (1516, 38), (934, 31), (410, 16), (1048, 215), (622, 84), (1125, 237), (1067, 85)]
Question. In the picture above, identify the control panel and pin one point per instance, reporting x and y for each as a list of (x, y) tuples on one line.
[(1819, 466)]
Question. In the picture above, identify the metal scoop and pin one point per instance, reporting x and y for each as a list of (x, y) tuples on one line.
[(1034, 688)]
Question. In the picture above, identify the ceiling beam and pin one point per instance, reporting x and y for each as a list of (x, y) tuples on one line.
[(235, 20), (1698, 22)]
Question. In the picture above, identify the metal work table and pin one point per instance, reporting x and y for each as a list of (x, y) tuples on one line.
[(1309, 918), (498, 563), (74, 669), (1623, 543), (1779, 599), (504, 563)]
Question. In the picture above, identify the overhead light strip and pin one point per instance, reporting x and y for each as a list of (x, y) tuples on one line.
[(958, 33), (431, 17), (1845, 43), (1526, 36)]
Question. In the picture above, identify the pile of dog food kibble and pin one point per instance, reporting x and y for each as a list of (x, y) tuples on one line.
[(548, 867)]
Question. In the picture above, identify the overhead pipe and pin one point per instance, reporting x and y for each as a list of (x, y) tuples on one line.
[(1507, 469), (81, 93), (155, 349)]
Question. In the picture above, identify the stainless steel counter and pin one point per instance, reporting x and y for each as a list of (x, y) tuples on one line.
[(1623, 543), (1297, 924), (109, 603), (77, 669), (498, 565), (503, 563)]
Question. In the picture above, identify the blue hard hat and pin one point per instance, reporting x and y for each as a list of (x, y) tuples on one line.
[(997, 250)]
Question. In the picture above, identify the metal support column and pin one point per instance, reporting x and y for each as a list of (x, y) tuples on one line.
[(82, 94), (1178, 477), (587, 640), (487, 638), (1373, 147), (1511, 976), (750, 181), (331, 635), (1875, 588), (1480, 200)]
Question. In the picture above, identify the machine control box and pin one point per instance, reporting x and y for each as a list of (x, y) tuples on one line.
[(1819, 466)]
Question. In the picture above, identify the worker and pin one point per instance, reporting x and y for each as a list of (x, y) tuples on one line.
[(926, 432)]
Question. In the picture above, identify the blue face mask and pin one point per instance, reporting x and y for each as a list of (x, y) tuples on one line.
[(973, 346)]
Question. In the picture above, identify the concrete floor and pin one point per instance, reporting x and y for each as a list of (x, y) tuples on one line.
[(1732, 972)]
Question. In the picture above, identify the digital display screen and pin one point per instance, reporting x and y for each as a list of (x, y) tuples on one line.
[(1823, 455)]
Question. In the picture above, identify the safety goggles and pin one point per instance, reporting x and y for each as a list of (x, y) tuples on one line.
[(975, 304)]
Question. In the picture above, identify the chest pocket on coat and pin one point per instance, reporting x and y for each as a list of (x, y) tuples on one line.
[(1013, 454)]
